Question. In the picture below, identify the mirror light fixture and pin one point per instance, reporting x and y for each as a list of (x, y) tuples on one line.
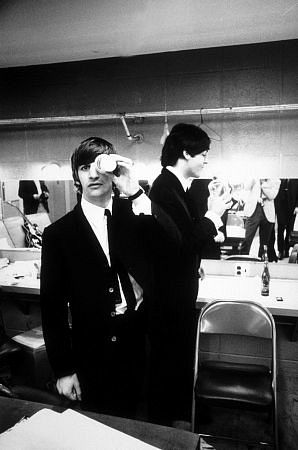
[(51, 171)]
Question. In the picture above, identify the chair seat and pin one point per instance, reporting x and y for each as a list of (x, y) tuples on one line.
[(246, 385)]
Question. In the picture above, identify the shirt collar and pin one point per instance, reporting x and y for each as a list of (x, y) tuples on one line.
[(186, 182), (93, 212)]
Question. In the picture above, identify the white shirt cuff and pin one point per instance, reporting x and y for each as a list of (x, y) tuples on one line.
[(142, 205), (214, 218)]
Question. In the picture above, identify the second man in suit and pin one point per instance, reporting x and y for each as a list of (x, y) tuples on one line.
[(183, 158)]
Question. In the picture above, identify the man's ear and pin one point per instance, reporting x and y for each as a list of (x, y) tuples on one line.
[(78, 186), (186, 155)]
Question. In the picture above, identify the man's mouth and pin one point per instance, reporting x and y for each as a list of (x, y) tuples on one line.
[(95, 184)]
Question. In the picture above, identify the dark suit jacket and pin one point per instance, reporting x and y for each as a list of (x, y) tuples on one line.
[(75, 270), (168, 193), (286, 200), (26, 190), (173, 322)]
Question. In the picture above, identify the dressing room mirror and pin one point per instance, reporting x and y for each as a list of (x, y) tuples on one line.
[(17, 201), (61, 198), (235, 218)]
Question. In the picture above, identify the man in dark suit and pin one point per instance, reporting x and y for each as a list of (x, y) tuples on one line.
[(286, 204), (183, 158), (100, 359), (35, 194)]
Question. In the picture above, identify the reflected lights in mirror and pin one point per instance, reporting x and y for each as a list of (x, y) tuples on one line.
[(55, 171), (51, 171), (243, 166)]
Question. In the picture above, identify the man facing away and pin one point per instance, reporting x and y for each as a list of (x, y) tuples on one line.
[(96, 263), (173, 329), (35, 196)]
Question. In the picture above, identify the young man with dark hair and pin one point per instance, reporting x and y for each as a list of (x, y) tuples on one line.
[(183, 158), (97, 264)]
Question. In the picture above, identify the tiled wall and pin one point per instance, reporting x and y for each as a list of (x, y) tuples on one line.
[(258, 74)]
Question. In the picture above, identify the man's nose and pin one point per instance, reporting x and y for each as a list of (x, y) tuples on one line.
[(92, 171)]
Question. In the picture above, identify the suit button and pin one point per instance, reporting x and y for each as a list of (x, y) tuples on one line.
[(113, 339), (113, 314), (111, 290)]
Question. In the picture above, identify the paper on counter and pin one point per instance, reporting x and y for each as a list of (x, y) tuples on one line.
[(70, 430)]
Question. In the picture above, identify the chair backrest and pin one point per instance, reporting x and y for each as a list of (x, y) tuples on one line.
[(243, 320), (231, 317)]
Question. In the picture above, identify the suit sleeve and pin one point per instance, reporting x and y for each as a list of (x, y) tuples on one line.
[(54, 306), (192, 232)]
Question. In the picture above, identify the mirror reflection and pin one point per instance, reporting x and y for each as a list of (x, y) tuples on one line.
[(262, 212), (27, 206)]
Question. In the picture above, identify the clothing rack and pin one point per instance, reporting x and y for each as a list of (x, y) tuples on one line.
[(134, 115)]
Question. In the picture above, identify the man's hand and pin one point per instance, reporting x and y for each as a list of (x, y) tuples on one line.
[(220, 237), (69, 386), (127, 180), (36, 196), (219, 204)]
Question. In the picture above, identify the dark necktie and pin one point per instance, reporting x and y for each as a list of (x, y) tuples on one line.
[(118, 270)]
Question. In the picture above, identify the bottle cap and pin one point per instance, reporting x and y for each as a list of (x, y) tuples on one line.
[(105, 163)]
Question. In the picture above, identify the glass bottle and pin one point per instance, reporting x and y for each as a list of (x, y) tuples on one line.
[(265, 274), (216, 187)]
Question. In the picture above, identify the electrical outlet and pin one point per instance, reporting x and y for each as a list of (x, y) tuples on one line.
[(241, 269)]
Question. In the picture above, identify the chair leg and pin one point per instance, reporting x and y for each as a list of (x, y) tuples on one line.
[(275, 421)]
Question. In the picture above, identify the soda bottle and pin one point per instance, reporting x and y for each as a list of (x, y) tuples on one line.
[(265, 274)]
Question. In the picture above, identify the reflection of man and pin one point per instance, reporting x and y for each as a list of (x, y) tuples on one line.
[(260, 212), (35, 196), (286, 205)]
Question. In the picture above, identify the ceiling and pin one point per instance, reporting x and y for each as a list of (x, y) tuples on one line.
[(50, 31)]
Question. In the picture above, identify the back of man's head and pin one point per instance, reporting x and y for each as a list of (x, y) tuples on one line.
[(183, 136)]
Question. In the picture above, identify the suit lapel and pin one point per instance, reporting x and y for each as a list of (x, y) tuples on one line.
[(178, 191)]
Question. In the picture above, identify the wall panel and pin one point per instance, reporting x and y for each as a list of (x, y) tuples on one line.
[(257, 74)]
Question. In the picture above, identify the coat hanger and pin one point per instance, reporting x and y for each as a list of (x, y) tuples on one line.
[(213, 135)]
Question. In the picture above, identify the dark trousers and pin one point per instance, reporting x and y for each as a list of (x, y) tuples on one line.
[(283, 235), (113, 384), (255, 221), (171, 372)]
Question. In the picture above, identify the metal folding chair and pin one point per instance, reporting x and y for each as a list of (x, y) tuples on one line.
[(235, 381)]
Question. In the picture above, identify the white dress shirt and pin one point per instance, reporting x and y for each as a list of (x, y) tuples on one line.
[(37, 184), (98, 222)]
